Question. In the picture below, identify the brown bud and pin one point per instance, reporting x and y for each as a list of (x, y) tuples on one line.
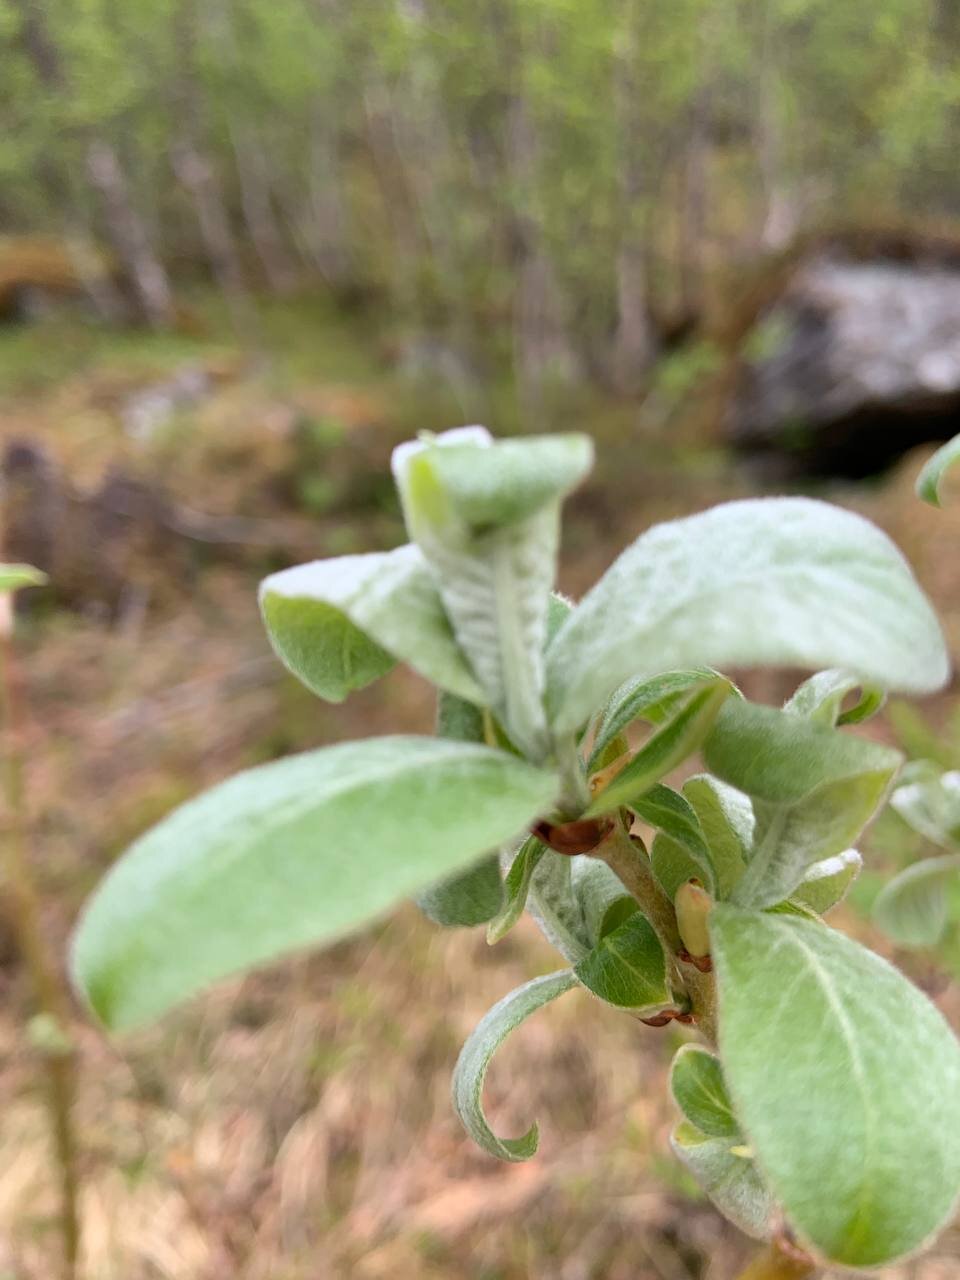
[(570, 838)]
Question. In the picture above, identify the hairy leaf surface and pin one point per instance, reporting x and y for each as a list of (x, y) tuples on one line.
[(813, 791), (729, 1177), (339, 624), (627, 968), (292, 853), (913, 907), (846, 1080), (763, 582), (698, 1088), (471, 1069)]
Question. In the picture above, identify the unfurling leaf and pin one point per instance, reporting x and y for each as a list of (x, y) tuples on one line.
[(672, 743), (553, 904), (627, 968), (934, 470), (486, 515), (340, 624), (484, 1041), (912, 908), (292, 854), (820, 699), (698, 1088), (653, 700), (726, 822), (676, 820), (846, 1081), (516, 886), (730, 1178), (826, 882), (765, 582), (813, 791)]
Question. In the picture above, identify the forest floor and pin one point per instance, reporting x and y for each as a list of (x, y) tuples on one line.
[(297, 1125)]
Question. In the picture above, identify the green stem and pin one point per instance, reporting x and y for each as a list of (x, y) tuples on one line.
[(626, 856), (41, 965), (628, 859), (775, 1264)]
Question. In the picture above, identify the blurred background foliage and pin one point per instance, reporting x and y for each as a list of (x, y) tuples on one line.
[(245, 247)]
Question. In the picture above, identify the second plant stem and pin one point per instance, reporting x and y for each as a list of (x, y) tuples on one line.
[(54, 1043)]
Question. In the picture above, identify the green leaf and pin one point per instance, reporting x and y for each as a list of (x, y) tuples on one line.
[(729, 1177), (820, 699), (677, 739), (15, 576), (469, 898), (934, 470), (672, 814), (930, 803), (813, 791), (672, 865), (596, 889), (553, 904), (627, 968), (516, 886), (339, 624), (473, 896), (827, 882), (726, 821), (645, 699), (765, 582), (846, 1081), (698, 1088), (912, 908), (477, 484), (475, 1056), (486, 515), (290, 854)]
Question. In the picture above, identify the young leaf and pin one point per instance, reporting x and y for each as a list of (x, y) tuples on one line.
[(469, 898), (677, 739), (645, 699), (726, 821), (820, 699), (339, 624), (827, 882), (934, 470), (698, 1088), (912, 907), (486, 515), (553, 904), (15, 576), (813, 791), (930, 803), (764, 582), (729, 1177), (516, 886), (484, 1041), (627, 968), (674, 816), (596, 889), (292, 853), (846, 1081), (672, 865)]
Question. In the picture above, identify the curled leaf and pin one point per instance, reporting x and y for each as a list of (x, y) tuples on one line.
[(471, 1069)]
